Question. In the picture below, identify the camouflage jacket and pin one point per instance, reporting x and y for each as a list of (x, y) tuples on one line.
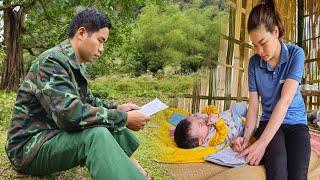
[(54, 97)]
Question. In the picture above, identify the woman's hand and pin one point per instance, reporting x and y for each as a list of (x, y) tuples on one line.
[(254, 153)]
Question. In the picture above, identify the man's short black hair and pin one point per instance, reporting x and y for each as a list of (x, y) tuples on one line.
[(182, 136), (90, 19)]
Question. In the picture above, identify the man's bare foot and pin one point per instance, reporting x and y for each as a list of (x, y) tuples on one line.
[(141, 169)]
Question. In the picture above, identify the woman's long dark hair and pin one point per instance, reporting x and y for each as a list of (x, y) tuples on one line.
[(267, 14)]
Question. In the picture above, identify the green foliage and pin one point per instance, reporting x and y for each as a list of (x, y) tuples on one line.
[(183, 38), (115, 87), (7, 100), (183, 35), (47, 24)]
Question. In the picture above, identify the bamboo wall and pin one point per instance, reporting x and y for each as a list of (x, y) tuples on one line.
[(311, 45), (227, 83)]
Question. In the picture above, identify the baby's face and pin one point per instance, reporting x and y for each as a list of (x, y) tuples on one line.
[(198, 128)]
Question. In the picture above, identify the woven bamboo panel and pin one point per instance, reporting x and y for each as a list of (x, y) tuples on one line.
[(229, 79), (311, 45)]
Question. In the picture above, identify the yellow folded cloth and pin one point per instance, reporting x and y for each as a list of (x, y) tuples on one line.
[(166, 149), (221, 133)]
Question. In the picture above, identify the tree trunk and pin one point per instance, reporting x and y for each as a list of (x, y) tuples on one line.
[(12, 70)]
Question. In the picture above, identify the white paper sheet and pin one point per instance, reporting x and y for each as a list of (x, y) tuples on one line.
[(153, 107), (226, 157)]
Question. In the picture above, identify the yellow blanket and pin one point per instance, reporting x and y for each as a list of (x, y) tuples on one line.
[(167, 151)]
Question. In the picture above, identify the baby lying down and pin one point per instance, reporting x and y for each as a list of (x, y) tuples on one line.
[(210, 130)]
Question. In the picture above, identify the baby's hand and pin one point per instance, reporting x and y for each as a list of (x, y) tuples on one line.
[(236, 145), (213, 118), (171, 131)]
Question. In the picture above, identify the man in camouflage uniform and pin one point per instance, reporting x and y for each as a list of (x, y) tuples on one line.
[(58, 124)]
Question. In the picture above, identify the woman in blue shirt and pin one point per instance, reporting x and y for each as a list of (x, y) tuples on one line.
[(274, 74)]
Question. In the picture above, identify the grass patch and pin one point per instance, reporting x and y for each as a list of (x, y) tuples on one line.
[(121, 89), (7, 100), (146, 152), (143, 87)]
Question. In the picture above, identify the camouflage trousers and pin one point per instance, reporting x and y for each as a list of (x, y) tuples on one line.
[(105, 154)]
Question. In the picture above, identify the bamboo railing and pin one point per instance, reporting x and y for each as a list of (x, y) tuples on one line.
[(227, 82)]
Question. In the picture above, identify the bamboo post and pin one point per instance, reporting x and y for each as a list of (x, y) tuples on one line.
[(229, 57), (300, 22)]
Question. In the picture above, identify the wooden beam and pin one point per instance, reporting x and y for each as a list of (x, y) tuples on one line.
[(300, 22), (217, 97), (311, 60), (236, 41)]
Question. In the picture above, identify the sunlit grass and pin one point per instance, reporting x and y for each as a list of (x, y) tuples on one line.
[(121, 89)]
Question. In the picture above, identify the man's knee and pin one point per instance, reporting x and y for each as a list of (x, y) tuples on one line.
[(98, 134)]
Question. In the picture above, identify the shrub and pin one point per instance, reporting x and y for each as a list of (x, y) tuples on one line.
[(7, 100)]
